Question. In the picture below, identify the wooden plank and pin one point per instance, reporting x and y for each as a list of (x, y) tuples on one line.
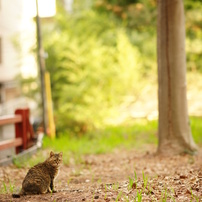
[(10, 119), (5, 144)]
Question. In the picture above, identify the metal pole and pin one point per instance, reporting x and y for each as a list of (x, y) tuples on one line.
[(41, 63)]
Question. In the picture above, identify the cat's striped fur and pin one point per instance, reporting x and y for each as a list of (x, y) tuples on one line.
[(40, 178)]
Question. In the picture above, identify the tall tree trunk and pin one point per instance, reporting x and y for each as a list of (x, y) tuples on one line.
[(174, 128)]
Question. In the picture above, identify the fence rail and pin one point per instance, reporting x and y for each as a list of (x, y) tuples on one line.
[(24, 134), (9, 119)]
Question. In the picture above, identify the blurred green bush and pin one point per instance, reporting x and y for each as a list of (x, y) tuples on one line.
[(103, 54), (94, 68)]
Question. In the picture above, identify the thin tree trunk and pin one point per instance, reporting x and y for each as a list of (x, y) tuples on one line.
[(174, 128)]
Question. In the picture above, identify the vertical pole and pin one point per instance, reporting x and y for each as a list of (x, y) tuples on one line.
[(41, 63), (51, 123), (174, 130), (20, 130)]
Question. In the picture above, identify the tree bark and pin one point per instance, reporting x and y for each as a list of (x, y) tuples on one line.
[(174, 128)]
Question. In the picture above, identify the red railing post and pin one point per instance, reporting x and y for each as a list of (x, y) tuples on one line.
[(24, 133), (21, 129)]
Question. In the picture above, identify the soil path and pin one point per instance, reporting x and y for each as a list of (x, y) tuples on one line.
[(110, 177)]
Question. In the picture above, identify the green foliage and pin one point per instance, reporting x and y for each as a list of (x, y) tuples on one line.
[(141, 15), (30, 87), (102, 55), (134, 14), (193, 34), (94, 69), (196, 129)]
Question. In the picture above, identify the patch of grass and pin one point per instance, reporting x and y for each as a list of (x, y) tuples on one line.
[(130, 183), (164, 195), (145, 179), (139, 196), (6, 188), (133, 181), (134, 134), (29, 161), (119, 196), (126, 136), (195, 198), (196, 128), (105, 140), (115, 186)]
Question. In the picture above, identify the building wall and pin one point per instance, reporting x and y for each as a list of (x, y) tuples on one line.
[(17, 56), (18, 36), (10, 18), (17, 40)]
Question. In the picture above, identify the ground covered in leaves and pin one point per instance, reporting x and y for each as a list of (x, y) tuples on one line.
[(119, 176)]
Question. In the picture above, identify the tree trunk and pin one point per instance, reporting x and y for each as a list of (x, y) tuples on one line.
[(174, 128)]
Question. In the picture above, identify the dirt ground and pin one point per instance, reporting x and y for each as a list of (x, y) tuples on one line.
[(110, 177)]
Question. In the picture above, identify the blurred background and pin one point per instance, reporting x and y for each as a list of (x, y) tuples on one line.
[(101, 58)]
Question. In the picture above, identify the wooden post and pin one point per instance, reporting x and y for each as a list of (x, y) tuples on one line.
[(21, 130), (49, 106), (41, 63), (24, 134)]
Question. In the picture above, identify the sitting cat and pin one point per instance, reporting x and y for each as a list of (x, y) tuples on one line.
[(40, 178)]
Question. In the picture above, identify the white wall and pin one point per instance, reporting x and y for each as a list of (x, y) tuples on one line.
[(18, 35), (10, 18)]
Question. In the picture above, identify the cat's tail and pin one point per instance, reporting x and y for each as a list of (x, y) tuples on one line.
[(18, 195)]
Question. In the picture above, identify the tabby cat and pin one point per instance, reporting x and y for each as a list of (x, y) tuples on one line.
[(40, 178)]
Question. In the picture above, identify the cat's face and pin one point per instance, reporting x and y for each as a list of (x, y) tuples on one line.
[(55, 159)]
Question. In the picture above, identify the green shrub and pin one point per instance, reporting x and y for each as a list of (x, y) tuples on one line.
[(94, 69)]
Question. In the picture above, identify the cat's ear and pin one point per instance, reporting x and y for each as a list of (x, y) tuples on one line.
[(60, 154), (51, 153)]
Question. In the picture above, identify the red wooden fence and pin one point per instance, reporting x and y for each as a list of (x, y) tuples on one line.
[(24, 134)]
